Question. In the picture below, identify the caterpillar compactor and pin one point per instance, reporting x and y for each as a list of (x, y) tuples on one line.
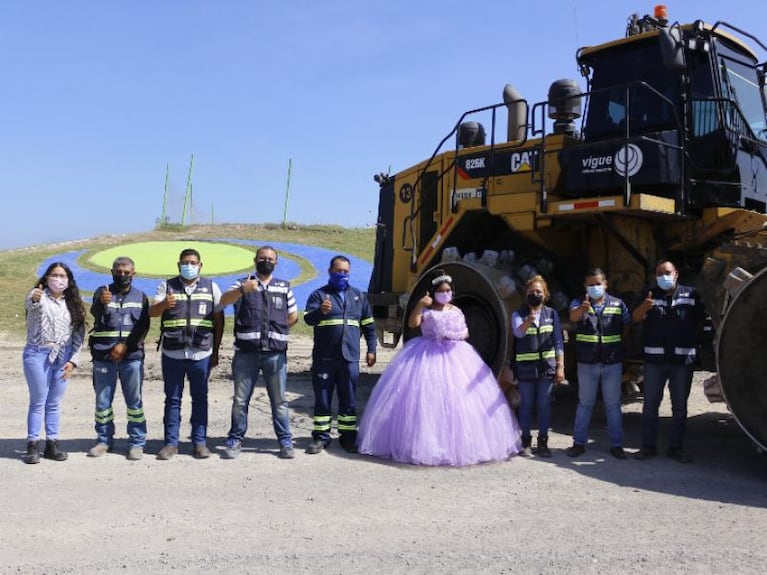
[(660, 151)]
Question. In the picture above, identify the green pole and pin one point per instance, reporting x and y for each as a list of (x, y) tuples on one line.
[(164, 215), (188, 194), (287, 195)]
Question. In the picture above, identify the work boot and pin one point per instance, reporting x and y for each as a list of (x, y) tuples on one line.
[(200, 451), (646, 452), (135, 452), (52, 451), (575, 450), (98, 450), (527, 441), (315, 447), (167, 452), (678, 453), (33, 453), (543, 446)]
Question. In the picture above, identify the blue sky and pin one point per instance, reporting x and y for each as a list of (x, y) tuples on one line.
[(97, 97)]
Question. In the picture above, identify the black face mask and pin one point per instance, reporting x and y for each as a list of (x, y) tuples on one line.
[(264, 267), (122, 282), (534, 300)]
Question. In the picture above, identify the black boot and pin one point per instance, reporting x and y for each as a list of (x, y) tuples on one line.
[(543, 446), (52, 451), (33, 453), (527, 441)]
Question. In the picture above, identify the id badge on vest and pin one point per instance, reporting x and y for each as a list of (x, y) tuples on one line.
[(202, 308), (277, 302)]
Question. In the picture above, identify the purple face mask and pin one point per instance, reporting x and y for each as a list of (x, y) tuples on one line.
[(443, 297)]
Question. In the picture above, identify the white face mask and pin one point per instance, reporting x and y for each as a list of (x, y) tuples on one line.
[(57, 284)]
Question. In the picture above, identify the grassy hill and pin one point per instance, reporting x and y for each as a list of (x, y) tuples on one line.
[(18, 268)]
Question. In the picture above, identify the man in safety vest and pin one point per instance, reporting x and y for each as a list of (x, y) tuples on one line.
[(121, 315), (338, 312), (192, 326), (601, 322), (265, 310), (672, 317)]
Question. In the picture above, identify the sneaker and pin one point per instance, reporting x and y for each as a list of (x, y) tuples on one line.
[(232, 450), (315, 447), (98, 450), (135, 452), (33, 452), (52, 451), (618, 453), (646, 453), (575, 450), (167, 452), (679, 455), (286, 452), (526, 451), (200, 451)]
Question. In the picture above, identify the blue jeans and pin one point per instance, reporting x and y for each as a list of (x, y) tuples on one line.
[(679, 383), (592, 376), (46, 383), (245, 368), (131, 373), (534, 393), (173, 372)]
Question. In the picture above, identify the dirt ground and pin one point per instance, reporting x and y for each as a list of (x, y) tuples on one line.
[(339, 513)]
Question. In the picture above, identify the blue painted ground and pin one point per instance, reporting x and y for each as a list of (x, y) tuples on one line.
[(287, 269)]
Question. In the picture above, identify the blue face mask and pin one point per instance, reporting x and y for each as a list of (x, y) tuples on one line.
[(339, 280), (666, 282), (596, 292), (189, 271)]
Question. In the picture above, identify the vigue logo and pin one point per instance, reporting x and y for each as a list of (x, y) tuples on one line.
[(627, 161)]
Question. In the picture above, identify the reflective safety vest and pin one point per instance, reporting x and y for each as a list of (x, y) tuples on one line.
[(337, 334), (261, 318), (116, 322), (190, 322), (534, 354), (598, 337), (671, 329)]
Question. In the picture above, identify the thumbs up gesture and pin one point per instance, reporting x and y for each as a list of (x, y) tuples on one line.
[(37, 293), (327, 305), (425, 301), (586, 304), (648, 302), (170, 298), (106, 295)]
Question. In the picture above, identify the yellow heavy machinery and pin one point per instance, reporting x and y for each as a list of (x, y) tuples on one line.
[(662, 155)]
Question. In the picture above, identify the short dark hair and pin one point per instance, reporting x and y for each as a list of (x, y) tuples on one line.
[(339, 257), (591, 272), (189, 252), (265, 248), (123, 261)]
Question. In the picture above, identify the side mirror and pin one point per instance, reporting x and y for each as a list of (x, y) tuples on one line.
[(672, 47)]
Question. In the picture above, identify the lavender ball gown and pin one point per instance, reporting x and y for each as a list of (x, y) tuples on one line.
[(438, 403)]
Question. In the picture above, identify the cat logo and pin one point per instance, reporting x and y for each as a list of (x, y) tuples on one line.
[(522, 161)]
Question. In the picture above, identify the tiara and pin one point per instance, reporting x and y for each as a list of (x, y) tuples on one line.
[(441, 279)]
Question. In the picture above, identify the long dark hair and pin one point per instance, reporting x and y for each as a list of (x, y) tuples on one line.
[(71, 294)]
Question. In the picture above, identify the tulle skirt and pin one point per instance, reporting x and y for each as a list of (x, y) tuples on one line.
[(438, 403)]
